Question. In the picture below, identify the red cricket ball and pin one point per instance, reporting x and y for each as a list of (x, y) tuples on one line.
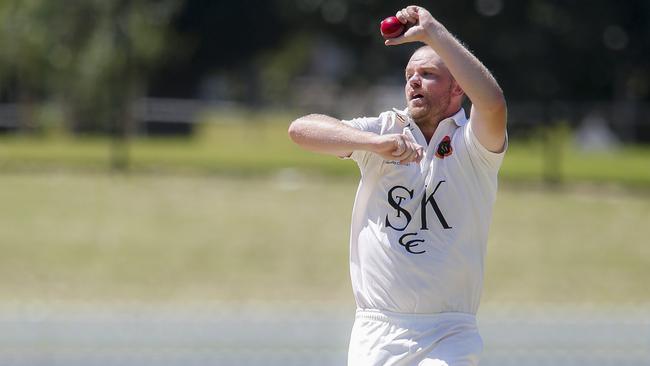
[(391, 27)]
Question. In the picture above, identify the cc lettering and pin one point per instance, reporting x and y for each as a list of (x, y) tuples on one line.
[(409, 244)]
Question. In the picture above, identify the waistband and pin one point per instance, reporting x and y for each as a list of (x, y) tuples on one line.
[(393, 317)]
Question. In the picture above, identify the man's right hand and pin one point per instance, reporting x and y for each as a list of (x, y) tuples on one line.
[(397, 147)]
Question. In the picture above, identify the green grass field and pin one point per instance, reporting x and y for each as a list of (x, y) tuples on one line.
[(257, 144), (76, 237), (238, 212)]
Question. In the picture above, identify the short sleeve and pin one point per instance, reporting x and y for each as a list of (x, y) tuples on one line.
[(478, 152), (367, 124)]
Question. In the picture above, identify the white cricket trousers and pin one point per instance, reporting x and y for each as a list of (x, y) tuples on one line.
[(382, 338)]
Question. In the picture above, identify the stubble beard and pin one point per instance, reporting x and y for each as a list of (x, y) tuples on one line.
[(433, 111)]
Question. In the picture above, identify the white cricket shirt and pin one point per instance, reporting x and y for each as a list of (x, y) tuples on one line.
[(419, 231)]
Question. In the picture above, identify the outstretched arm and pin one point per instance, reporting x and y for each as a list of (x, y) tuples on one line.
[(324, 134), (488, 102)]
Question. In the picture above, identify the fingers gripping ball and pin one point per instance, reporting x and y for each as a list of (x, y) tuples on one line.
[(391, 27)]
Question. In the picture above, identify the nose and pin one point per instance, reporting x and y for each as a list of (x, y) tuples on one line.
[(415, 80)]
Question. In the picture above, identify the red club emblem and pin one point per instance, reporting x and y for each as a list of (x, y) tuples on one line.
[(444, 148)]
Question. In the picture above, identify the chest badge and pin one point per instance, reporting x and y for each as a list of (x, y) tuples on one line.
[(444, 148)]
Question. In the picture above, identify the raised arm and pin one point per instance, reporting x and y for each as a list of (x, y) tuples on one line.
[(488, 103), (324, 134)]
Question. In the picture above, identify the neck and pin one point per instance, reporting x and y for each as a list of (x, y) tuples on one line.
[(428, 128), (428, 125)]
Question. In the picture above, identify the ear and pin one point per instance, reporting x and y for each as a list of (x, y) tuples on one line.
[(456, 90)]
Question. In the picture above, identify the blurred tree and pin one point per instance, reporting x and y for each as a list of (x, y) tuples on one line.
[(93, 56), (540, 50), (97, 54)]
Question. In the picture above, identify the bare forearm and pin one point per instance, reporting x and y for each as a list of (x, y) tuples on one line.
[(475, 79), (324, 134)]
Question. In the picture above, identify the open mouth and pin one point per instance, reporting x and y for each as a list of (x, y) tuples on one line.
[(416, 96)]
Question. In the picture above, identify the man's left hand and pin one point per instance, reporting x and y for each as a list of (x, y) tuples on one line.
[(419, 22)]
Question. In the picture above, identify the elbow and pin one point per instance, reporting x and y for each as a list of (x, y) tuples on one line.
[(297, 130), (495, 105), (498, 102)]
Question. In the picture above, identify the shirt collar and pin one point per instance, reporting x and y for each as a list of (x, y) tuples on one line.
[(459, 118)]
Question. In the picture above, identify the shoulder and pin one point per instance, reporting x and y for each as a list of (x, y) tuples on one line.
[(466, 141), (394, 121), (385, 123)]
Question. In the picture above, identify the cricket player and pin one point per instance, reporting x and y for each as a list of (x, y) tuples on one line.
[(424, 203)]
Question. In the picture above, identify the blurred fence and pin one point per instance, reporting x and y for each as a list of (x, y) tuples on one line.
[(598, 124), (307, 334), (9, 117), (560, 128)]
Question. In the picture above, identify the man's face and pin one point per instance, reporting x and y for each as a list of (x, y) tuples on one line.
[(428, 86)]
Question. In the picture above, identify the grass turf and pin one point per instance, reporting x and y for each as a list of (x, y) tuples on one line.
[(162, 237)]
